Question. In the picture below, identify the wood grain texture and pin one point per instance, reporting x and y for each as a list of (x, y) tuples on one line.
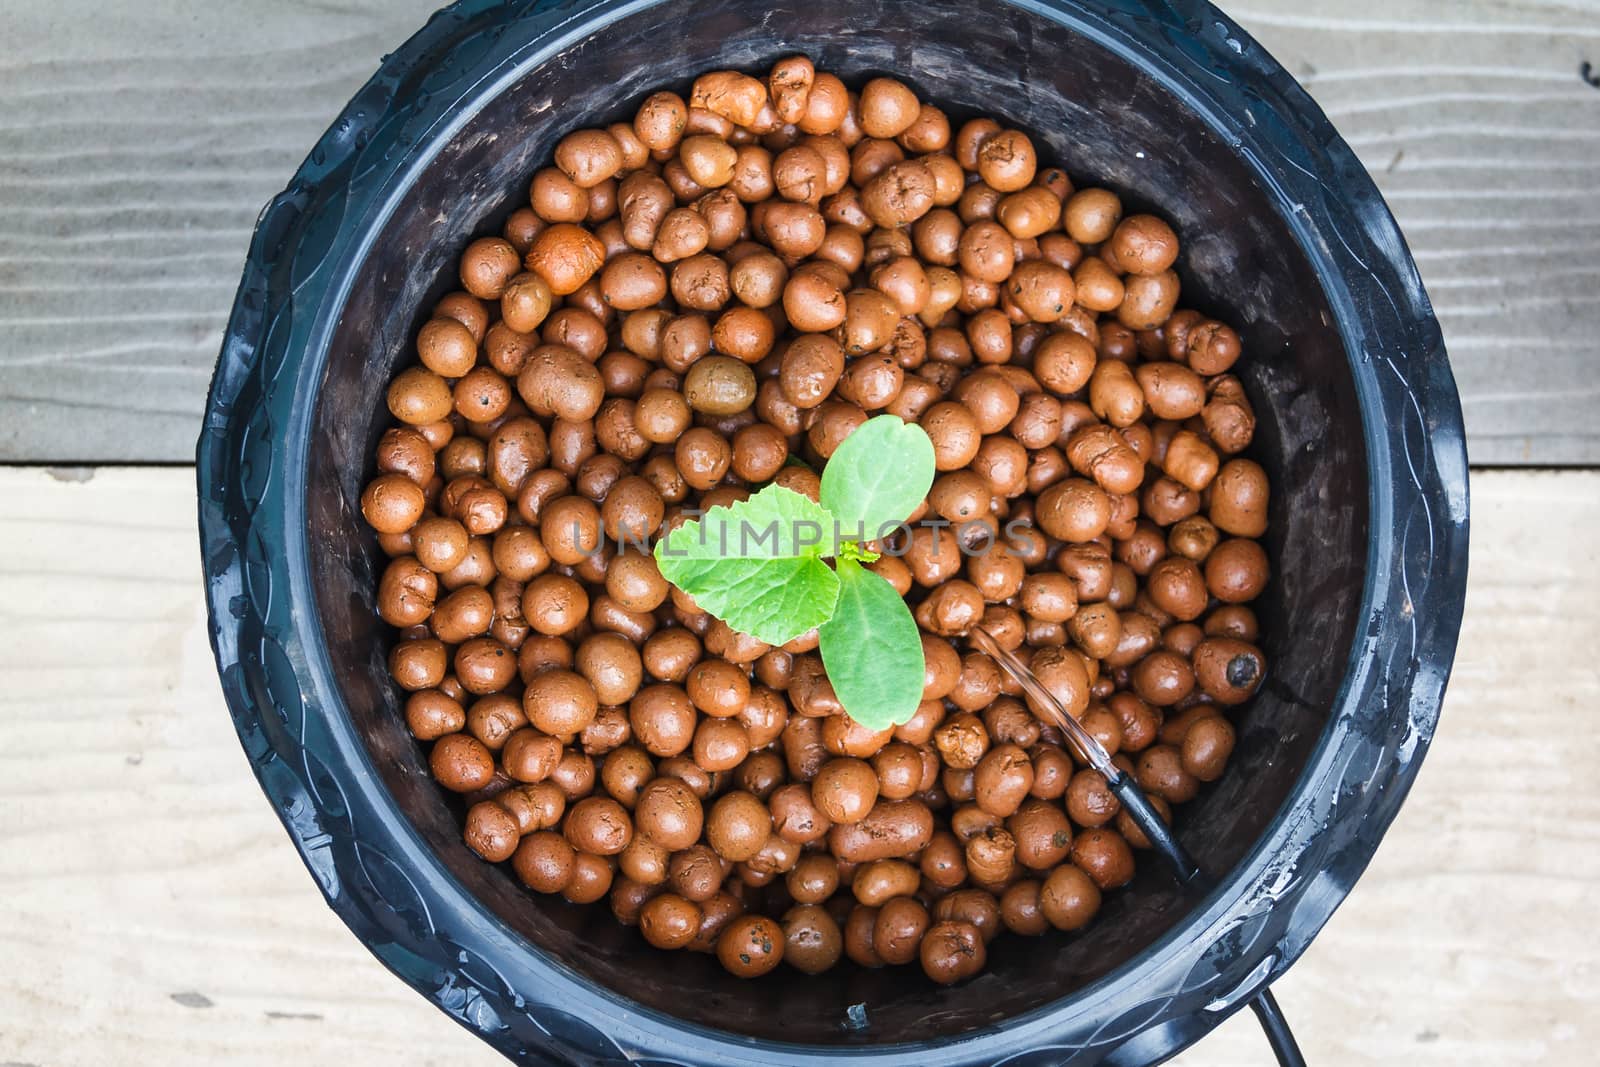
[(138, 142), (1478, 127), (140, 139), (155, 912), (1471, 940)]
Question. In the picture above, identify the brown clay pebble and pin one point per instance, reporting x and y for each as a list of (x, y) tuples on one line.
[(491, 831), (669, 813), (544, 862), (1002, 779), (951, 951), (1228, 670), (598, 825), (591, 879), (737, 826), (1090, 801), (899, 929), (1206, 748), (1042, 834), (461, 763), (1104, 856), (430, 714), (696, 872), (1160, 771), (719, 385), (662, 719), (392, 503), (669, 921), (750, 946), (1069, 898), (844, 790), (812, 940), (560, 702), (1021, 911)]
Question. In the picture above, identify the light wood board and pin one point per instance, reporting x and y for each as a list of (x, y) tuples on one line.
[(138, 140), (152, 910)]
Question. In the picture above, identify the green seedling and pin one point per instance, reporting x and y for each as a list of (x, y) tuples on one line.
[(761, 566)]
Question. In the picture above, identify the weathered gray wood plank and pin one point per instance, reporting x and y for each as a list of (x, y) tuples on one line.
[(1484, 138), (152, 911), (138, 141)]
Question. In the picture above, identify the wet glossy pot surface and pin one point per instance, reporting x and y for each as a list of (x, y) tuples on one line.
[(1284, 237)]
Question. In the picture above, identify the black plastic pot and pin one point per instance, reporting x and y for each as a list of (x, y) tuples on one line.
[(1284, 236)]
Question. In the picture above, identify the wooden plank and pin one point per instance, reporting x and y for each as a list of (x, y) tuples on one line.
[(155, 912), (1478, 127), (135, 155), (1470, 940), (133, 160)]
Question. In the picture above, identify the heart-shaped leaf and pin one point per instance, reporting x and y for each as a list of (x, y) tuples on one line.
[(757, 564), (872, 650), (877, 476)]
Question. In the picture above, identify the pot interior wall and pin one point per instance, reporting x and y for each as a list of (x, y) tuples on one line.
[(1106, 123)]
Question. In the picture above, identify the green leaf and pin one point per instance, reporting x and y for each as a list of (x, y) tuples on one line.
[(776, 523), (772, 600), (757, 564), (878, 475), (872, 650)]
